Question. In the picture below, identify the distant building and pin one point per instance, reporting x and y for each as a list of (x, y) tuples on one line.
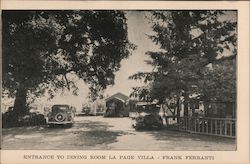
[(117, 106), (93, 108)]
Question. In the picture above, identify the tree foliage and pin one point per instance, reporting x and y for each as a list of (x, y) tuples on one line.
[(198, 52), (44, 50)]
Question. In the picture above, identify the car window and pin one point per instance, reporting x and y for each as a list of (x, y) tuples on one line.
[(148, 109), (60, 108)]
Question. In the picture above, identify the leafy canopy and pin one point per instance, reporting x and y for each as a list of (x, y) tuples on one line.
[(43, 50), (198, 47)]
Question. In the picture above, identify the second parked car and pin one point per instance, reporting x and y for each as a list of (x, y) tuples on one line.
[(147, 116)]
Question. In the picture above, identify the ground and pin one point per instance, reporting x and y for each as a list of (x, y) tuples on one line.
[(97, 132)]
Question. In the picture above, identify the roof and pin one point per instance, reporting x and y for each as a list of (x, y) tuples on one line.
[(118, 96)]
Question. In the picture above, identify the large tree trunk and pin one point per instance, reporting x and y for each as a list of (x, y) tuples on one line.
[(20, 106)]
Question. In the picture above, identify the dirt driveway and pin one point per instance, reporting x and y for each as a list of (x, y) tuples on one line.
[(96, 132)]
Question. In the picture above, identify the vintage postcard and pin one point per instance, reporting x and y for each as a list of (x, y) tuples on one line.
[(125, 82)]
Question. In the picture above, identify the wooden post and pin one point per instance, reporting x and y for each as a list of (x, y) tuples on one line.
[(207, 127), (220, 127), (211, 127), (215, 127), (203, 125), (225, 128), (231, 133), (198, 125), (189, 124), (194, 125), (186, 123)]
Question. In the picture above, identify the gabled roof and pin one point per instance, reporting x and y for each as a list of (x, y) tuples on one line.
[(118, 96)]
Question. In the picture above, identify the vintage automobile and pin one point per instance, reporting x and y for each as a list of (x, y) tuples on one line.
[(60, 115), (147, 116)]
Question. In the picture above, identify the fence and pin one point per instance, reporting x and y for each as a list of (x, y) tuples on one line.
[(225, 127)]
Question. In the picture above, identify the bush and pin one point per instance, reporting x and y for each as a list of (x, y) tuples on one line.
[(10, 119)]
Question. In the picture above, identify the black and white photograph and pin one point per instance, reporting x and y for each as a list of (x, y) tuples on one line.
[(119, 80)]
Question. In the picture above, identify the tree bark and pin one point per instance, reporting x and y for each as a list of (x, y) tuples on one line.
[(20, 106)]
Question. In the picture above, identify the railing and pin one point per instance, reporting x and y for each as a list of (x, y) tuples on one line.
[(203, 125)]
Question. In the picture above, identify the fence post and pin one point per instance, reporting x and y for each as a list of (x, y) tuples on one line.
[(211, 128), (207, 126), (189, 124), (215, 130), (186, 123), (231, 134), (199, 129), (225, 128), (203, 125), (194, 125), (220, 127), (214, 126)]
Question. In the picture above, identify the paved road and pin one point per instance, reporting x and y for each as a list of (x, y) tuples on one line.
[(97, 133)]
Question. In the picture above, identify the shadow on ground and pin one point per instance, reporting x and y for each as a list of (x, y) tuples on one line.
[(82, 135), (108, 134)]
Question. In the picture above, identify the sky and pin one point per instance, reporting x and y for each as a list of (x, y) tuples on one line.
[(138, 29)]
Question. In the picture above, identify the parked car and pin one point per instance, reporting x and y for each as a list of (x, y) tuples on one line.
[(61, 115), (147, 116)]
